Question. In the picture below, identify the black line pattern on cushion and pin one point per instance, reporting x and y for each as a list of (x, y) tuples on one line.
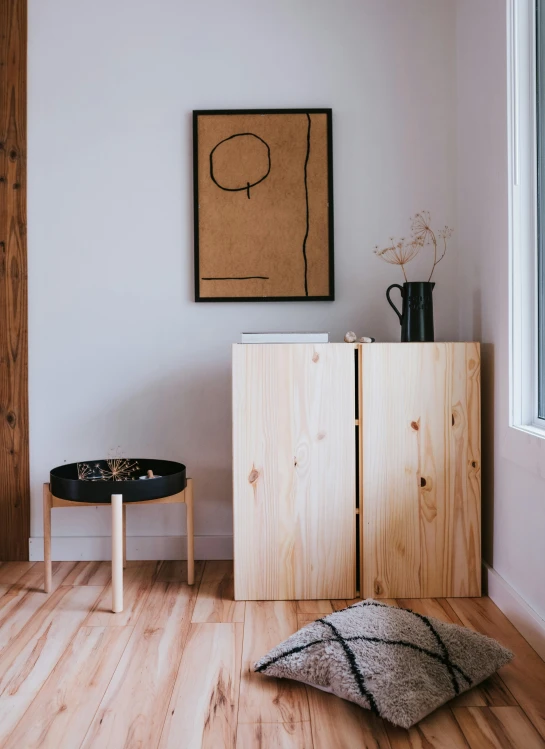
[(446, 658), (412, 645), (365, 638), (443, 658), (297, 649), (444, 649), (356, 673)]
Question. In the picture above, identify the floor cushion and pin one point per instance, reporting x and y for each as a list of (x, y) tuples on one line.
[(395, 662)]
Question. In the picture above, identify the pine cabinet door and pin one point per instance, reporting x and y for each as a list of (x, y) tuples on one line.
[(421, 470), (294, 471)]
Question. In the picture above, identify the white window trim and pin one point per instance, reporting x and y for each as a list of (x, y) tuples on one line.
[(523, 339)]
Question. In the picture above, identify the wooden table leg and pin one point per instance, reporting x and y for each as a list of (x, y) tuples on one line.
[(117, 553), (190, 538), (124, 536), (47, 538)]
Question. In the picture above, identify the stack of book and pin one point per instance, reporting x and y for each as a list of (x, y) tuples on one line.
[(284, 337)]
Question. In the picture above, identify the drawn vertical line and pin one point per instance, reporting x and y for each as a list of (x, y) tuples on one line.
[(307, 208)]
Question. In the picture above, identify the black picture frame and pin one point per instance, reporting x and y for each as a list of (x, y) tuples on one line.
[(330, 297)]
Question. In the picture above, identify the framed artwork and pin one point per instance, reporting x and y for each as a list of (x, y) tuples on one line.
[(263, 183)]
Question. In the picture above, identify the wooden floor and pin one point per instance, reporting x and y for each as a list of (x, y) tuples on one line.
[(173, 671)]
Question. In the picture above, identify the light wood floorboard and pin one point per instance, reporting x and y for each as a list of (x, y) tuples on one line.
[(215, 603), (63, 709), (174, 670), (176, 572), (525, 675), (491, 727), (438, 731), (266, 700), (338, 723), (26, 664), (133, 709), (274, 736), (204, 706), (90, 573), (24, 604), (137, 583), (314, 607), (10, 572)]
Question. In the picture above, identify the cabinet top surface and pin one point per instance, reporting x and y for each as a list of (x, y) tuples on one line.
[(372, 345)]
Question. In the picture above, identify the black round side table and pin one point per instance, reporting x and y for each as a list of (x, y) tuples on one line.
[(118, 482)]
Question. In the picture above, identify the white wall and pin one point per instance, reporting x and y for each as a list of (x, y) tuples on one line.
[(120, 355), (514, 464)]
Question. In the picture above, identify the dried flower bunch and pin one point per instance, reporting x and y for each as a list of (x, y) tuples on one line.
[(404, 250), (117, 469), (400, 252)]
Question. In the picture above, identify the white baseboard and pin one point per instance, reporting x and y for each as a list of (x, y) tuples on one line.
[(99, 548), (528, 622)]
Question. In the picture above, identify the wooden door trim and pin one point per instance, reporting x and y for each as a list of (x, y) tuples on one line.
[(14, 450)]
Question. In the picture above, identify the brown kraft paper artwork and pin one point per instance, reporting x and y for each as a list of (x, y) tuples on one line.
[(263, 206)]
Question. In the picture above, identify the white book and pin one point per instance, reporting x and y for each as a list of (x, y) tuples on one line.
[(284, 337)]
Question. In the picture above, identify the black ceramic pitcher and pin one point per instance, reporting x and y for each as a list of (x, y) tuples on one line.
[(417, 316)]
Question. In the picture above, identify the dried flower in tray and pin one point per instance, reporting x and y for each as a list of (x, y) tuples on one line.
[(111, 469), (119, 469)]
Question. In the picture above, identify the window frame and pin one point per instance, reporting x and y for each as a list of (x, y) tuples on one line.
[(540, 203), (525, 308)]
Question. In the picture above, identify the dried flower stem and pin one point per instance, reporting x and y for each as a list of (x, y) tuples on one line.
[(403, 251), (400, 252), (434, 240)]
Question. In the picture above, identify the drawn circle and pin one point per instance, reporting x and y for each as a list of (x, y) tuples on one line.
[(240, 162)]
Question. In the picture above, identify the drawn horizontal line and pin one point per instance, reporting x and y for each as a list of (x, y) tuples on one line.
[(235, 278)]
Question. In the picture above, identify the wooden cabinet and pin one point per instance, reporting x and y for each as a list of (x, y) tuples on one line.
[(356, 469), (294, 471), (421, 457)]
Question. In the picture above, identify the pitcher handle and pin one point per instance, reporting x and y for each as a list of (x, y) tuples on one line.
[(392, 305)]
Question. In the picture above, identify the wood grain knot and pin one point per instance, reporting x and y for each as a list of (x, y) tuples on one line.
[(315, 357), (426, 485), (2, 179), (428, 505), (377, 587), (471, 364), (415, 425), (458, 417), (400, 548), (11, 419), (254, 475), (16, 185), (474, 464), (13, 155)]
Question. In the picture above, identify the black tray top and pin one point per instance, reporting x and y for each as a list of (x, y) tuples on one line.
[(91, 480)]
